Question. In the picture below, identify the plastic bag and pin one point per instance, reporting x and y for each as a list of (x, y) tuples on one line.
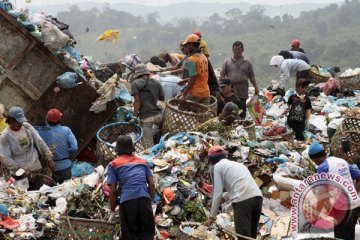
[(54, 39), (67, 80), (256, 109)]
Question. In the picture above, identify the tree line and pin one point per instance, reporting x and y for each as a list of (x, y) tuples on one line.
[(330, 35)]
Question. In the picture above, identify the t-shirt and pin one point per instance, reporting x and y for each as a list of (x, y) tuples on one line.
[(130, 172), (197, 66), (22, 138), (149, 91), (183, 65), (175, 58), (298, 108), (345, 170), (300, 55), (237, 181), (239, 74)]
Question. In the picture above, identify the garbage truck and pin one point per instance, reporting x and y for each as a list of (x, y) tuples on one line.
[(28, 73)]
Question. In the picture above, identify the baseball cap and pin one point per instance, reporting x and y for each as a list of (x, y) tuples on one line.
[(192, 38), (53, 115), (18, 114), (295, 42), (214, 150)]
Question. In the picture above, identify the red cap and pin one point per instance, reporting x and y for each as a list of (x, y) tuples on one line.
[(215, 150), (295, 42), (53, 115), (197, 34)]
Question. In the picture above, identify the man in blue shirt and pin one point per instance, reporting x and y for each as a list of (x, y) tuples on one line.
[(345, 229), (130, 178), (64, 143)]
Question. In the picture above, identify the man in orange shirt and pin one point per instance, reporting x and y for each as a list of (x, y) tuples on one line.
[(197, 88)]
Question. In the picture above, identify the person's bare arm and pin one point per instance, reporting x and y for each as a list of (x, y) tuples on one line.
[(151, 186), (190, 84), (137, 104), (253, 82), (114, 193)]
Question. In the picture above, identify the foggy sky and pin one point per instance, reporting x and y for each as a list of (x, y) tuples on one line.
[(22, 3)]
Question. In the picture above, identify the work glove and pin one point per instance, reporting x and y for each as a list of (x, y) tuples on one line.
[(163, 74), (112, 217), (133, 121)]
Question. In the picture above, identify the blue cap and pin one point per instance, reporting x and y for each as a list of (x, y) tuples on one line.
[(18, 114), (316, 149)]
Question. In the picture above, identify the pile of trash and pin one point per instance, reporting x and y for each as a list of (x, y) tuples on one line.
[(36, 214)]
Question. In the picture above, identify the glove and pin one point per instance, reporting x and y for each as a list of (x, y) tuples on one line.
[(112, 217), (133, 121), (163, 74), (162, 69)]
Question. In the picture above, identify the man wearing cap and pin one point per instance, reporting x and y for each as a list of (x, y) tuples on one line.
[(243, 192), (146, 92), (131, 180), (346, 228), (197, 88), (240, 71), (64, 143), (295, 46), (21, 146)]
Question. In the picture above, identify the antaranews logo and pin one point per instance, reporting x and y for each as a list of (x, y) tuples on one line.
[(321, 202)]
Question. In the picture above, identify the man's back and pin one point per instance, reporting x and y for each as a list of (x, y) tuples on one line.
[(198, 67), (131, 173), (237, 180), (65, 145), (149, 91)]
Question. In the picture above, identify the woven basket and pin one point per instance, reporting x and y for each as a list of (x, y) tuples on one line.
[(348, 131), (108, 135), (221, 233), (81, 228), (182, 116), (351, 82), (213, 103), (317, 78), (4, 172)]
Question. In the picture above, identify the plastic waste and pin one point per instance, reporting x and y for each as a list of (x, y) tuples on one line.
[(67, 80)]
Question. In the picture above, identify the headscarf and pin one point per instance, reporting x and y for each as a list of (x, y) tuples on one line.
[(276, 60)]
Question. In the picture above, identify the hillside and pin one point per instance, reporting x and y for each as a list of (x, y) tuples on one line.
[(330, 35)]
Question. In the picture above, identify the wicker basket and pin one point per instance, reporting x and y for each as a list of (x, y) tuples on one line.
[(213, 103), (317, 78), (222, 233), (182, 116), (108, 135), (4, 172), (351, 82), (349, 131), (81, 228)]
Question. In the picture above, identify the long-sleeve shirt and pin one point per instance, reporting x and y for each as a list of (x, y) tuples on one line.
[(237, 181), (65, 145), (289, 68), (17, 154)]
